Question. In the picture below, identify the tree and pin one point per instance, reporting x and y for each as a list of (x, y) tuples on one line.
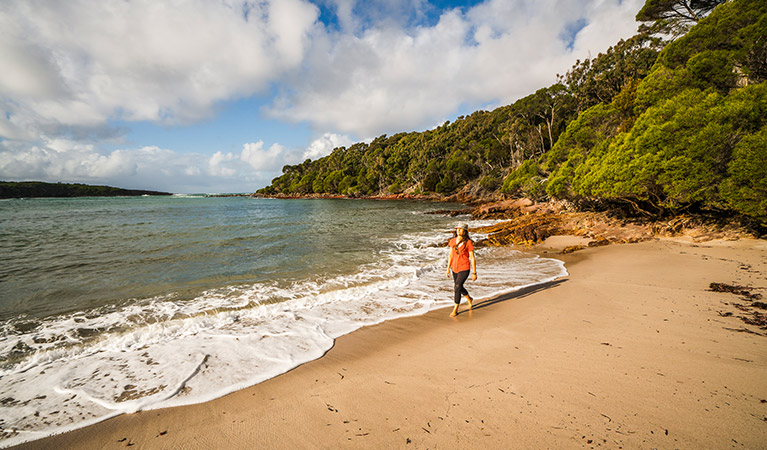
[(589, 132), (745, 190), (552, 101), (527, 180), (598, 80), (673, 17), (713, 68)]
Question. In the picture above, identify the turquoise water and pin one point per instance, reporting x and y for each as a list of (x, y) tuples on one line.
[(112, 305), (65, 255)]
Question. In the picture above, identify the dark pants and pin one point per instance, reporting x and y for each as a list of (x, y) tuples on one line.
[(460, 278)]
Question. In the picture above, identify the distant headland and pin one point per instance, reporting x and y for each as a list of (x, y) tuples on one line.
[(21, 189)]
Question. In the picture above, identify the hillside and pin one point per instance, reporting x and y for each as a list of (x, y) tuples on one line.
[(30, 189), (651, 127)]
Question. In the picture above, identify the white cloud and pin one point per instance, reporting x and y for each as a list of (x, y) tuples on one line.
[(272, 159), (140, 168), (258, 158), (325, 144), (70, 67), (81, 62), (222, 164), (387, 78), (151, 167), (609, 22)]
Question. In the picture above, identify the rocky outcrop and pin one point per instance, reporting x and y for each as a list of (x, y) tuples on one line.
[(528, 223), (524, 230)]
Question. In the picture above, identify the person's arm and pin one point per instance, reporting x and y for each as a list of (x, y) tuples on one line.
[(473, 266), (449, 262)]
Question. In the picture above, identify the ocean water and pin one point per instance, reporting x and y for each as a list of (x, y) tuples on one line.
[(113, 305)]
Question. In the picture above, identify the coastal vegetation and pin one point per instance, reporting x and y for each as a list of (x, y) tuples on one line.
[(27, 189), (672, 120)]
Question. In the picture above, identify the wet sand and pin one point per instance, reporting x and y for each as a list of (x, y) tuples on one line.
[(632, 350)]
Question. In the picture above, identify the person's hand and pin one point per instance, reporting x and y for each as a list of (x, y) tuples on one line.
[(447, 274), (474, 276)]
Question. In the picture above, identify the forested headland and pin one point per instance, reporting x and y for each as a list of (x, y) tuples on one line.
[(29, 189), (670, 121)]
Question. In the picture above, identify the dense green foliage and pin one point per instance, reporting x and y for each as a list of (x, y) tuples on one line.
[(474, 148), (694, 141), (676, 154), (39, 189), (746, 187), (661, 129)]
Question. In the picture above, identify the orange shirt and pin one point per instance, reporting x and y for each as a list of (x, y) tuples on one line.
[(461, 260)]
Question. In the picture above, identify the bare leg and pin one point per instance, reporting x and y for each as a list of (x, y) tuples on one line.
[(469, 299), (455, 311)]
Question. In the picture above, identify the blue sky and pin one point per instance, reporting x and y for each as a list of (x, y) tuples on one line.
[(232, 123), (218, 95)]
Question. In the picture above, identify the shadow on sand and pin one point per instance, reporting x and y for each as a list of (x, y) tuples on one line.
[(522, 293)]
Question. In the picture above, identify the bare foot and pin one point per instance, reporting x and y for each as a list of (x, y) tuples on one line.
[(455, 311), (469, 299)]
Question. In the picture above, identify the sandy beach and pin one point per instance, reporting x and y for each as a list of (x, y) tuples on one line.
[(631, 350)]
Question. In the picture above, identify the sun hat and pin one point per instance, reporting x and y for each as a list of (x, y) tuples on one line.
[(463, 225)]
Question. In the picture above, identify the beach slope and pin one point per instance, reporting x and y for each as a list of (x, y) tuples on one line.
[(632, 350)]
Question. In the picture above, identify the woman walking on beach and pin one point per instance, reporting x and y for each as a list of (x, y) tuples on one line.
[(461, 262)]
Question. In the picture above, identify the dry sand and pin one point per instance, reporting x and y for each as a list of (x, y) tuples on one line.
[(629, 351)]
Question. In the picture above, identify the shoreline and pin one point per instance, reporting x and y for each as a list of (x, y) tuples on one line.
[(610, 355), (469, 201), (522, 221)]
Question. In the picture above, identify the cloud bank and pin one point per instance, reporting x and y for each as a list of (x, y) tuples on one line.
[(70, 69), (80, 63), (155, 168), (388, 78)]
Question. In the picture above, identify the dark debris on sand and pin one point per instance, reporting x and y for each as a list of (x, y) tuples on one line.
[(752, 316), (737, 290)]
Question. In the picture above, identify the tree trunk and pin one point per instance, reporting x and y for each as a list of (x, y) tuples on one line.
[(551, 123), (693, 16)]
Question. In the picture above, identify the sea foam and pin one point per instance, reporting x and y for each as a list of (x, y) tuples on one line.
[(73, 370)]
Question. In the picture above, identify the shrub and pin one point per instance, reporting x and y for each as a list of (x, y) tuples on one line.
[(745, 190)]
